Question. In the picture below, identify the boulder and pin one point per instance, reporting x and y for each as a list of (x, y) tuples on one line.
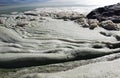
[(109, 25), (111, 12), (83, 22), (93, 23)]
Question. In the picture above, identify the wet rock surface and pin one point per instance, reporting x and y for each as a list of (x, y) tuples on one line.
[(42, 42)]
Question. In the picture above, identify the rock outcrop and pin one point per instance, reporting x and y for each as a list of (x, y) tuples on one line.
[(41, 37), (111, 12), (44, 44)]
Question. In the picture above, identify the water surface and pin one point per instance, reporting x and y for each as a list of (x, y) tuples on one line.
[(5, 9)]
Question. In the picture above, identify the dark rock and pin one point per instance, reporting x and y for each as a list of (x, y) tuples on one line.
[(113, 45), (106, 34), (117, 37), (111, 12)]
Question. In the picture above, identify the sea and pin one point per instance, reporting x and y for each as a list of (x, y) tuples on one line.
[(7, 9)]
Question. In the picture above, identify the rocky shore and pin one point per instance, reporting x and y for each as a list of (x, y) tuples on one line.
[(41, 42)]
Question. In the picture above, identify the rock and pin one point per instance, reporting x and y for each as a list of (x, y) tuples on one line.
[(93, 23), (21, 23), (63, 15), (117, 37), (83, 22), (109, 25), (27, 58), (42, 18), (33, 19), (107, 69), (44, 14), (111, 12), (118, 25), (106, 34), (70, 16), (1, 22), (14, 13), (20, 17), (75, 16), (31, 13), (9, 35)]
